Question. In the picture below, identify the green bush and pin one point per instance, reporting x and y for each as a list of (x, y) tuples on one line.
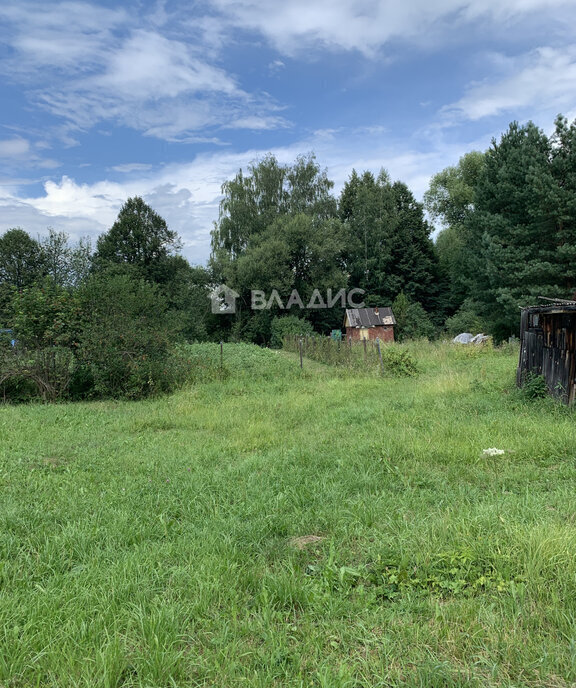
[(17, 389), (125, 339), (398, 361), (42, 372), (534, 386), (465, 319), (288, 324), (44, 315), (412, 321)]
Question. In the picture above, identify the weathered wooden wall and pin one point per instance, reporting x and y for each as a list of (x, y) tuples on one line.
[(548, 348), (385, 333)]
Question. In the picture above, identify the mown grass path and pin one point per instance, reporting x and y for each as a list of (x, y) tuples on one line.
[(156, 543)]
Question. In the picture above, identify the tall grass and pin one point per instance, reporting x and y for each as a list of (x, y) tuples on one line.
[(369, 357), (169, 542)]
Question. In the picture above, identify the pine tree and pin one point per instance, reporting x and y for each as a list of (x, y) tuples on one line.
[(513, 228)]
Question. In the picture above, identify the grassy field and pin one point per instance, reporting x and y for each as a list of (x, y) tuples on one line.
[(279, 527)]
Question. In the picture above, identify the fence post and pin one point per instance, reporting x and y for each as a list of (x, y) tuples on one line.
[(365, 351), (380, 354), (300, 348)]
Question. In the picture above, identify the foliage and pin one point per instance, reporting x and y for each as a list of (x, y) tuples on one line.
[(104, 335), (388, 247), (253, 201), (186, 290), (391, 359), (399, 362), (39, 372), (412, 321), (278, 230), (66, 265), (449, 574), (451, 194), (466, 319), (514, 228), (451, 199), (45, 314), (125, 338), (511, 224), (534, 387), (286, 325), (21, 259), (139, 238)]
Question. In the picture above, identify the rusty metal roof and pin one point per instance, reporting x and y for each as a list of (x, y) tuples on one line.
[(369, 317)]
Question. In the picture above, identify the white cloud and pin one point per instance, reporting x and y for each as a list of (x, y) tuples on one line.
[(257, 123), (187, 195), (68, 36), (294, 26), (542, 80), (128, 167), (86, 64), (14, 148), (151, 84), (17, 154), (149, 66), (276, 66)]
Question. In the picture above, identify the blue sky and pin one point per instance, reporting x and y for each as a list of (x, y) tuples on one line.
[(166, 99)]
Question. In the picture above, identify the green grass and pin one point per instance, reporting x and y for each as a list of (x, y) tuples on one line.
[(155, 543)]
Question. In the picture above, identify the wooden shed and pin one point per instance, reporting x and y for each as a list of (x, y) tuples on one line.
[(369, 323), (548, 347)]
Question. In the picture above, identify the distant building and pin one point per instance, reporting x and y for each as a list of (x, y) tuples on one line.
[(548, 347), (369, 323)]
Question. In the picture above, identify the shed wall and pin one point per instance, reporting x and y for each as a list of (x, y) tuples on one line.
[(548, 348), (384, 333)]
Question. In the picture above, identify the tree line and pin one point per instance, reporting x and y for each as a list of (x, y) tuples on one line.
[(509, 236), (104, 321)]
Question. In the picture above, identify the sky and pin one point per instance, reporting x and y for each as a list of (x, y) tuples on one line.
[(167, 99)]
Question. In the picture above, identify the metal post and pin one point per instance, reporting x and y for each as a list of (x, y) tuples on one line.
[(300, 347)]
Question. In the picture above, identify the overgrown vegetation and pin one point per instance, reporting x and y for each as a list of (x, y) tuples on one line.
[(371, 358), (510, 224), (273, 526), (102, 325), (107, 323)]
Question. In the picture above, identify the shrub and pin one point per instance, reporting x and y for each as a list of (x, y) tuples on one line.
[(465, 319), (289, 324), (43, 372), (398, 361), (412, 321), (534, 386), (125, 338)]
